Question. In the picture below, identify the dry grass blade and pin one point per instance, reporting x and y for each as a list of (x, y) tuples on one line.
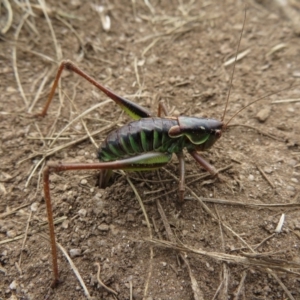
[(288, 293), (25, 237), (151, 8), (39, 228), (85, 127), (73, 267), (247, 204), (264, 175), (239, 57), (198, 295), (78, 118), (179, 25), (14, 56), (53, 151), (45, 11), (35, 167), (60, 147), (101, 282), (276, 49), (253, 261), (23, 47), (11, 240), (259, 131), (75, 270), (225, 270), (9, 18), (45, 77), (14, 210), (72, 29), (150, 233), (285, 101), (241, 286), (208, 210), (140, 203)]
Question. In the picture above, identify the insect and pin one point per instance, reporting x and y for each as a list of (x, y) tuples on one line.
[(146, 143)]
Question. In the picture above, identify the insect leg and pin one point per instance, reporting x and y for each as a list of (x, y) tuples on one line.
[(181, 188), (202, 162), (162, 109), (104, 178), (132, 109), (146, 161)]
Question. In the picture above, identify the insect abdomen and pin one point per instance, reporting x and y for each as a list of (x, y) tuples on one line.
[(144, 135)]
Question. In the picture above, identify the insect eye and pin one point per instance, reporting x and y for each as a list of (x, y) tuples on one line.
[(218, 133)]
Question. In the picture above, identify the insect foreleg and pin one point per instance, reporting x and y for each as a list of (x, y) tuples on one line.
[(162, 109), (181, 187), (202, 162)]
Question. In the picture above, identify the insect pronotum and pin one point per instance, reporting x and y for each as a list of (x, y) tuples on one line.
[(147, 143)]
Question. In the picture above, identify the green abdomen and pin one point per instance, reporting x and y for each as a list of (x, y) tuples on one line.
[(144, 135)]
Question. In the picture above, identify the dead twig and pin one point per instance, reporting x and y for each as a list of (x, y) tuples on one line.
[(265, 176)]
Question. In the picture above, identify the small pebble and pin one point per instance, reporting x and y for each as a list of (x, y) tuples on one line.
[(176, 113), (292, 162), (282, 127), (65, 224), (290, 188), (11, 233), (251, 177), (263, 114), (78, 127), (172, 80), (164, 264), (103, 227), (296, 73), (75, 252), (13, 285), (130, 216), (268, 170), (113, 229), (82, 212), (295, 180), (34, 206), (83, 181), (11, 89), (185, 232)]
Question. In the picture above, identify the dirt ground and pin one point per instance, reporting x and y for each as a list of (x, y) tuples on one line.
[(221, 242)]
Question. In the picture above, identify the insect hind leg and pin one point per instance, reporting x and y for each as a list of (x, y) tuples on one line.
[(104, 178)]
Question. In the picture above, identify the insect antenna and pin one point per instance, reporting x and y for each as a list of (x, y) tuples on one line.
[(231, 79), (233, 69), (259, 99)]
